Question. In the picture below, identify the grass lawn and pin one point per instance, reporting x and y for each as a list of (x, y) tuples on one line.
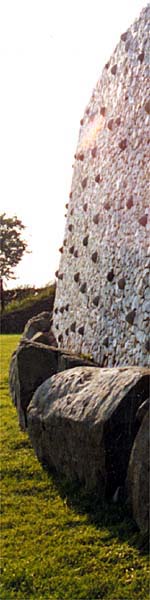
[(55, 543)]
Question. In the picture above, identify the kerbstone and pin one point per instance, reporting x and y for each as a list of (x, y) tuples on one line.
[(82, 422), (33, 362), (137, 483)]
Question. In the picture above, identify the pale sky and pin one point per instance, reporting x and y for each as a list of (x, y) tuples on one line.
[(52, 53)]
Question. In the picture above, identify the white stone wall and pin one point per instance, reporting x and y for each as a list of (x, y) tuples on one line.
[(102, 303)]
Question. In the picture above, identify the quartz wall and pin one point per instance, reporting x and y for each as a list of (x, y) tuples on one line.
[(102, 302)]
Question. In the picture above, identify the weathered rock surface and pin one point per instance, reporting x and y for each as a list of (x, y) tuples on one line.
[(39, 329), (82, 423), (31, 364), (142, 410), (13, 379), (42, 338), (138, 477), (40, 322)]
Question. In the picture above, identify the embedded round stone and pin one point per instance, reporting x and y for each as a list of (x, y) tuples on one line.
[(60, 337), (103, 111), (105, 342), (147, 344), (107, 205), (98, 178), (123, 144), (73, 326), (114, 69), (70, 227), (124, 36), (85, 240), (80, 156), (94, 256), (77, 277), (121, 283), (130, 316), (83, 288), (96, 300), (81, 330), (110, 124), (130, 202), (76, 253), (110, 275), (67, 307), (85, 206), (71, 249), (94, 152), (84, 182), (141, 57), (96, 219), (143, 220), (147, 107)]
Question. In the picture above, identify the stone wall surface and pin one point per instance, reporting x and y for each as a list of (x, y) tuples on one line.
[(102, 301)]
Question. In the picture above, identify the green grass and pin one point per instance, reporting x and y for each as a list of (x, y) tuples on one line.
[(56, 543)]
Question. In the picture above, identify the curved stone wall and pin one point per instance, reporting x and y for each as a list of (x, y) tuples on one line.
[(102, 302)]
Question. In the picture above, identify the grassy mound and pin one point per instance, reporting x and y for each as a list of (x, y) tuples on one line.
[(56, 543), (26, 297), (27, 304)]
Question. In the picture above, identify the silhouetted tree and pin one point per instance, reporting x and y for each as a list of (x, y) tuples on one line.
[(12, 248)]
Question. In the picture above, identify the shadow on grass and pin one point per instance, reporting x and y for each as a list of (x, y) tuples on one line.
[(104, 514), (21, 444)]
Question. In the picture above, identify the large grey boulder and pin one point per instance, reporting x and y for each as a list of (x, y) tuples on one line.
[(40, 322), (142, 410), (137, 483), (82, 422), (14, 385), (39, 328), (31, 364)]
